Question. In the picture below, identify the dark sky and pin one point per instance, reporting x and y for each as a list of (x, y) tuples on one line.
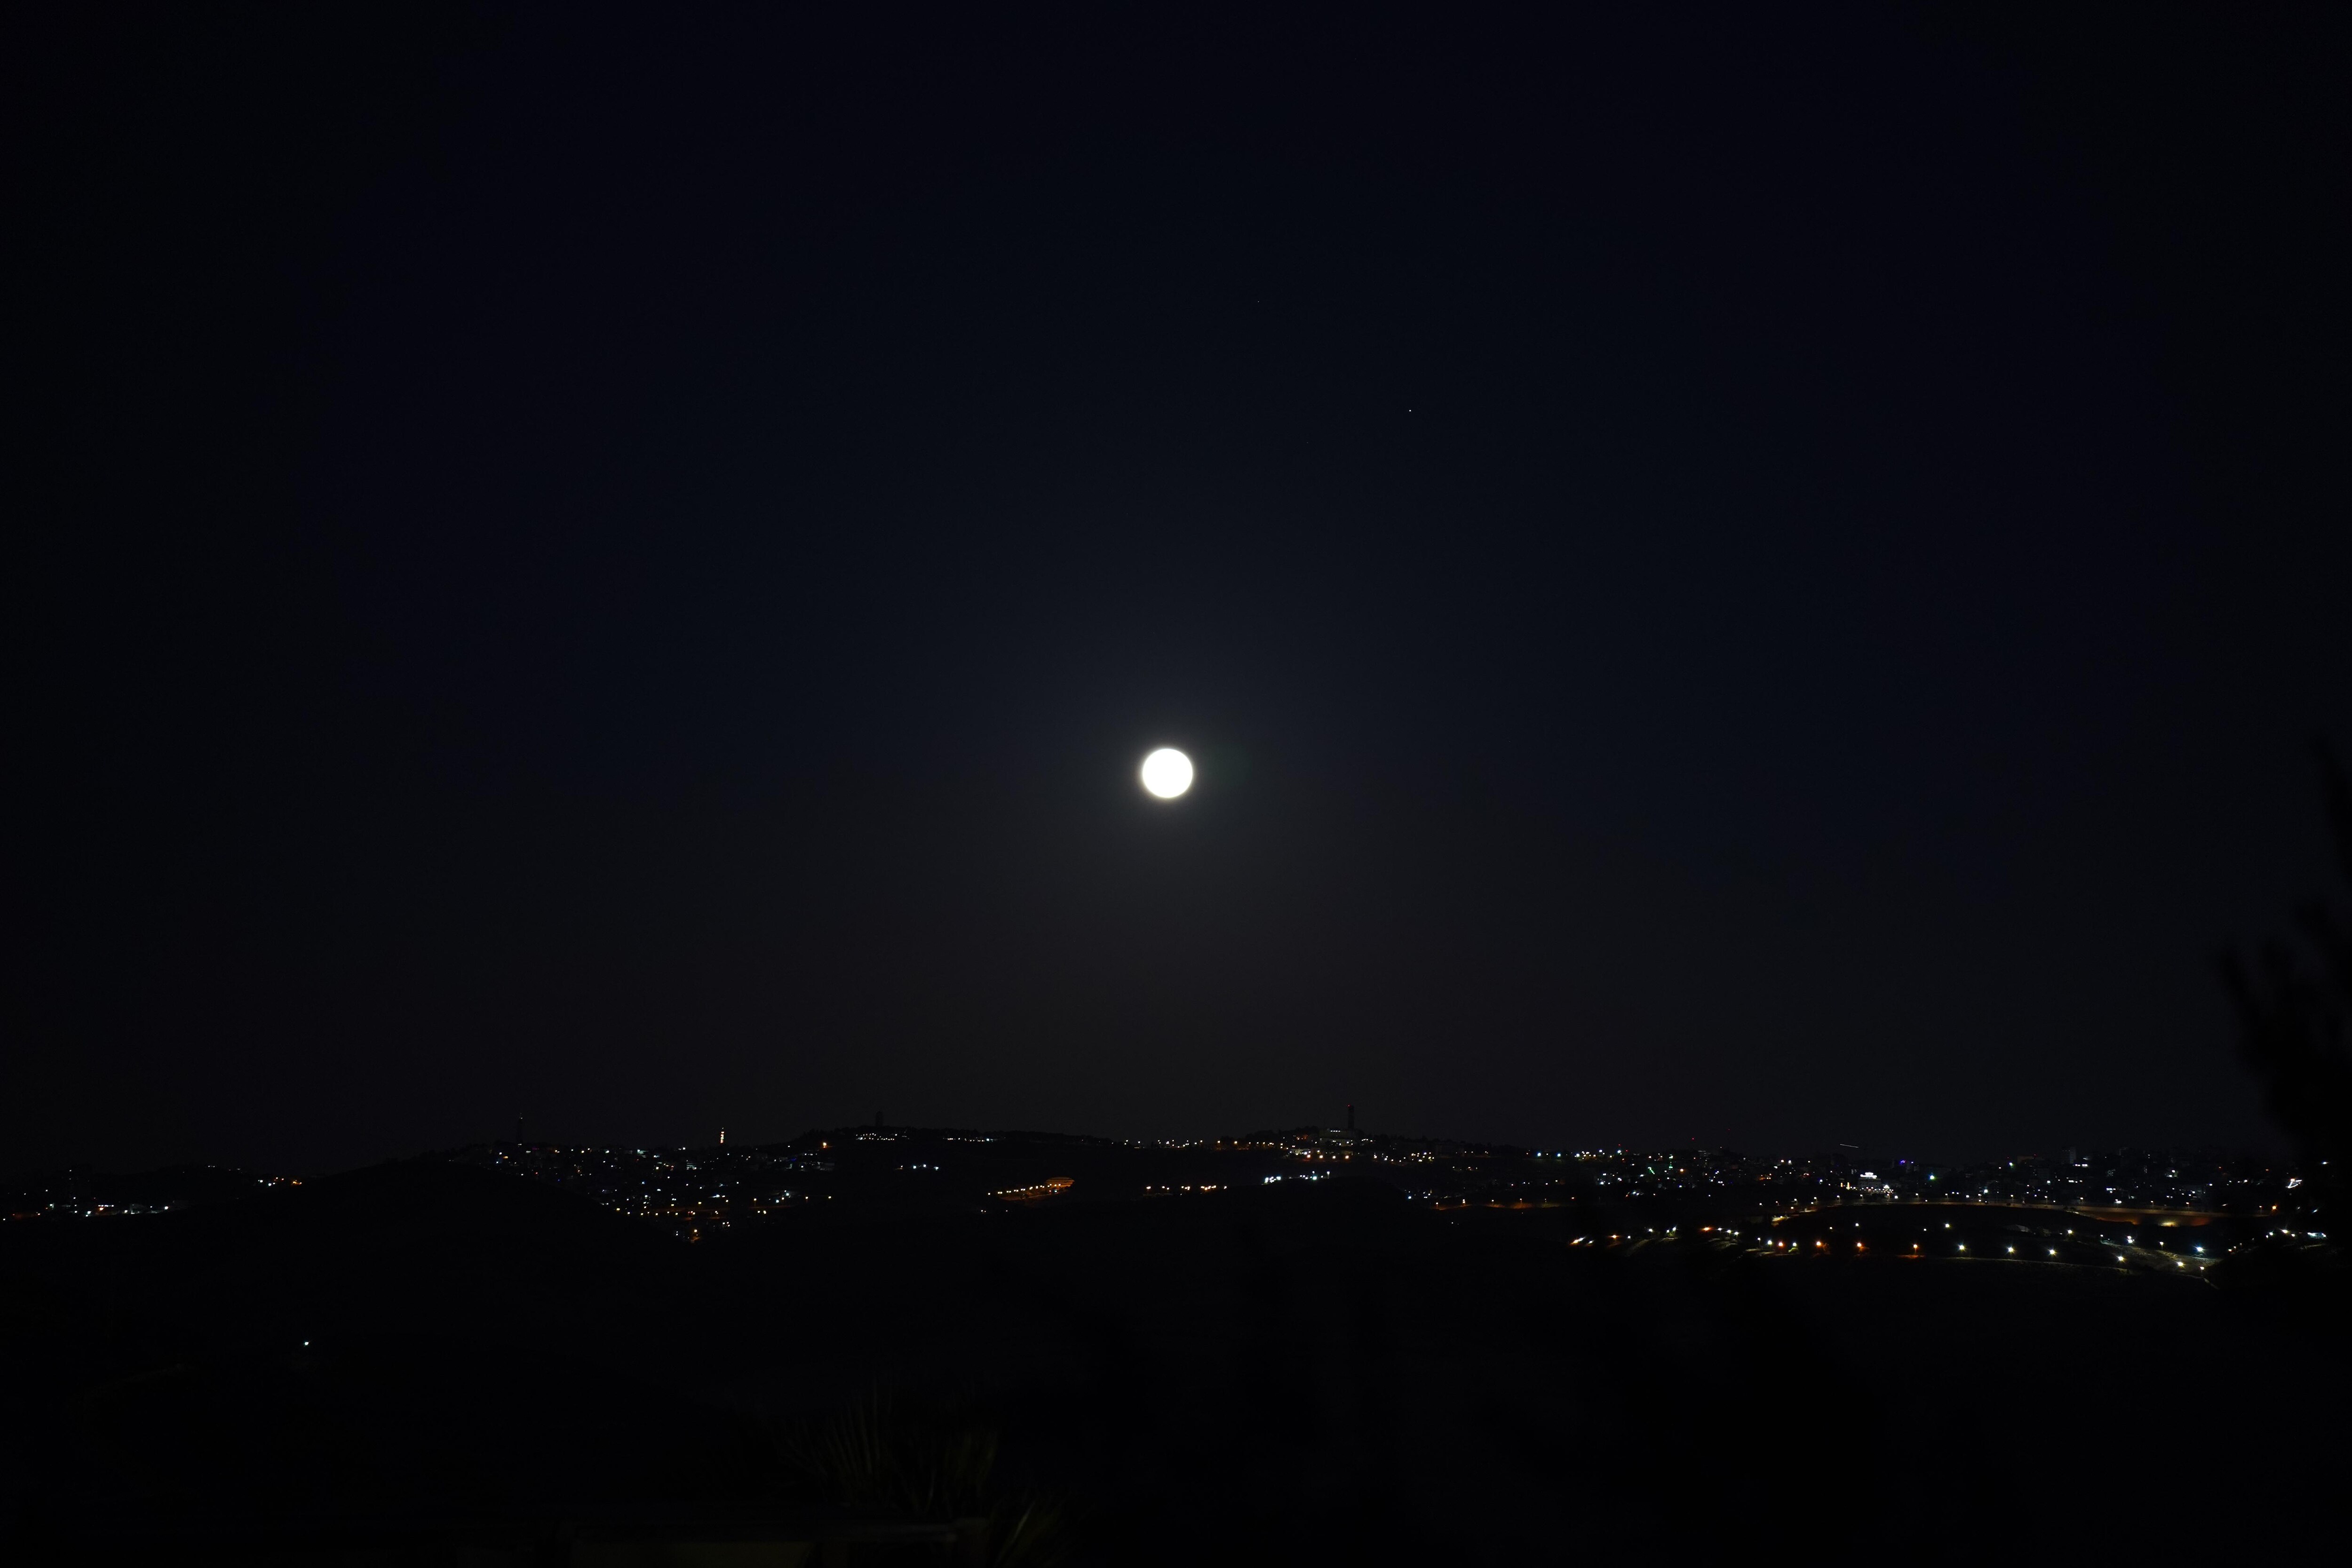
[(1763, 580)]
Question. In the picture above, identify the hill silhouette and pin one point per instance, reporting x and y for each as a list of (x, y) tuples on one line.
[(1308, 1371), (404, 1246)]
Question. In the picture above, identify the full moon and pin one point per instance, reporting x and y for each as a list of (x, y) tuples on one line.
[(1168, 773)]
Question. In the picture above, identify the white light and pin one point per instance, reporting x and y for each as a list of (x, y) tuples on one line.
[(1167, 772)]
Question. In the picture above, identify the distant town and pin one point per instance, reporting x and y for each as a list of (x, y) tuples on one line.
[(2174, 1209)]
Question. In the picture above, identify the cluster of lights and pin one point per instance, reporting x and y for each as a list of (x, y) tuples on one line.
[(1045, 1189)]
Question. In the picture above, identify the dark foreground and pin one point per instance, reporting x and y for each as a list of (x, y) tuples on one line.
[(437, 1364)]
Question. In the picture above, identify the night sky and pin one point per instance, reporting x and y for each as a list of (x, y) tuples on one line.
[(1768, 580)]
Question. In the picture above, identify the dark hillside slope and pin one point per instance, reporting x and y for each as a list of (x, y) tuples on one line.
[(1315, 1372), (412, 1336), (407, 1246)]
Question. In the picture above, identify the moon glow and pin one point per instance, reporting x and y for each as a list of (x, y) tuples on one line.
[(1168, 773)]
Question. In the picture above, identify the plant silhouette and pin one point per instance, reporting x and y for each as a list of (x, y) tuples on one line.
[(2294, 999)]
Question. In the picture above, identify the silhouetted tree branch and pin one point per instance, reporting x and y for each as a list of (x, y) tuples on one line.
[(2293, 1000)]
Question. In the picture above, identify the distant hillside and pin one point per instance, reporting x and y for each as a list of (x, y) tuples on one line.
[(87, 1194), (1306, 1371)]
